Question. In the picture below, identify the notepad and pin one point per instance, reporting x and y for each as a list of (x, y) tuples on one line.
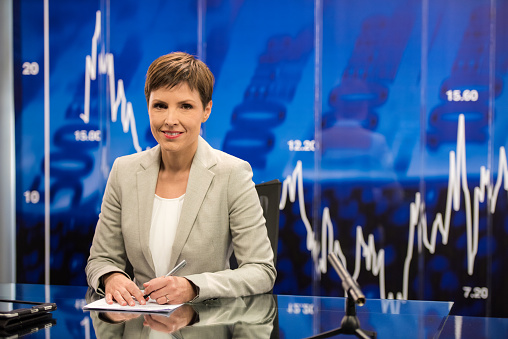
[(150, 307)]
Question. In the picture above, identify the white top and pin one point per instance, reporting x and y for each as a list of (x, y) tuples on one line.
[(165, 217)]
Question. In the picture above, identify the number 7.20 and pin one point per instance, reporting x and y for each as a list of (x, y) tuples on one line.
[(475, 292)]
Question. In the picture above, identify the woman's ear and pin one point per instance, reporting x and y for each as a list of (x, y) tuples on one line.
[(208, 111)]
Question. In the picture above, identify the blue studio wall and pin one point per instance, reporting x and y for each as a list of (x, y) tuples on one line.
[(385, 120)]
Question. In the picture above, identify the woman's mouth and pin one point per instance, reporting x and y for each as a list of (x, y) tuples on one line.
[(172, 135)]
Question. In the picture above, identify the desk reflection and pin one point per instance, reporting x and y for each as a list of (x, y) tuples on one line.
[(245, 317)]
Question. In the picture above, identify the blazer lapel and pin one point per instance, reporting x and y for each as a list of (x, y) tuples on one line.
[(146, 182), (200, 178)]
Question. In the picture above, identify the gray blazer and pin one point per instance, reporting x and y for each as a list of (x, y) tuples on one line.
[(221, 213)]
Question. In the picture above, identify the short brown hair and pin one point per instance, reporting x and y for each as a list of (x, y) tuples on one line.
[(175, 68)]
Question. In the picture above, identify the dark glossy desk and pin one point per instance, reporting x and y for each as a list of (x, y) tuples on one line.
[(277, 316)]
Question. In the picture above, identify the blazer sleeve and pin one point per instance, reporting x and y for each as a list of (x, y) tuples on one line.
[(256, 272), (107, 253)]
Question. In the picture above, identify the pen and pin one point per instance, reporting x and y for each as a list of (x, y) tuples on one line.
[(170, 273)]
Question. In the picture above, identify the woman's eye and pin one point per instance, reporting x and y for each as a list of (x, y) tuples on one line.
[(159, 105), (186, 106)]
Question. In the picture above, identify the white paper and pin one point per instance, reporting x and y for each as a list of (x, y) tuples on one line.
[(150, 307)]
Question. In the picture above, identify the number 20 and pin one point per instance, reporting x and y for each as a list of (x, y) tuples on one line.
[(30, 68)]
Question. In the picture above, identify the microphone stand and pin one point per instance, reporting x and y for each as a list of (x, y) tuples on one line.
[(350, 323)]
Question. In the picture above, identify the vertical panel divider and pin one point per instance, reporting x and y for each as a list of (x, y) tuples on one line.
[(47, 211), (491, 146), (316, 203), (7, 144), (423, 134), (318, 69), (201, 44)]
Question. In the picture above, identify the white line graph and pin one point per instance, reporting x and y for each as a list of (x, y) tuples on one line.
[(374, 260), (106, 65)]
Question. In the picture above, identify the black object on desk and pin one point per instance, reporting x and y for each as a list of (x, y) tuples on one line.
[(29, 317), (350, 323)]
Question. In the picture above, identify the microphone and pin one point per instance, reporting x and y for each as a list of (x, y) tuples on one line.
[(350, 323), (350, 286)]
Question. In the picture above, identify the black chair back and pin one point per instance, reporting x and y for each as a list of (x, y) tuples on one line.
[(269, 197)]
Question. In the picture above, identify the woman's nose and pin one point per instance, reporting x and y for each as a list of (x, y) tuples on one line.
[(171, 117)]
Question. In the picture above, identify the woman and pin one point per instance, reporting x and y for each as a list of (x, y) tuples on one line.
[(181, 200)]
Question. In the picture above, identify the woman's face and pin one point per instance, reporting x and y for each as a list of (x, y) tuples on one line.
[(176, 115)]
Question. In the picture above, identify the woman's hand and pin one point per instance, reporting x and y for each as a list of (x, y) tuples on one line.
[(121, 289), (170, 290), (179, 318)]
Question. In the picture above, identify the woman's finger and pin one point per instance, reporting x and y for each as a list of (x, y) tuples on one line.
[(119, 298), (109, 298)]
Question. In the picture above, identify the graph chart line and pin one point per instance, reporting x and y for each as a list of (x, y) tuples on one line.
[(103, 63), (292, 188)]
